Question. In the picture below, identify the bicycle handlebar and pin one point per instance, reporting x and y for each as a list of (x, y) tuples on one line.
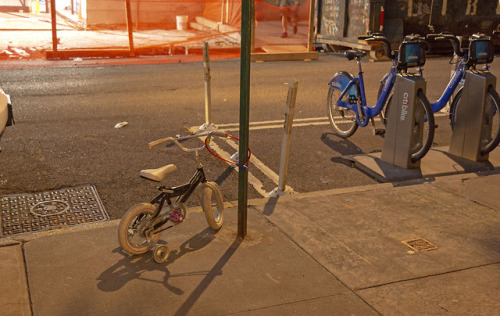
[(452, 38), (176, 140)]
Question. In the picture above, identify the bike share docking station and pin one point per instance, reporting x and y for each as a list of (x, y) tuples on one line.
[(405, 133), (473, 117), (405, 123)]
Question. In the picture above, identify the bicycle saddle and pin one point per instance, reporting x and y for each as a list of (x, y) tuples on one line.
[(158, 174), (351, 54)]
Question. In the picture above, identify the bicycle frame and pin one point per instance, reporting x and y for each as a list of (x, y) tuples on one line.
[(457, 77), (182, 192), (361, 105)]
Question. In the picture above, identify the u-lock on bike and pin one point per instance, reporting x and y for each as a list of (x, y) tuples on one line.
[(140, 228), (346, 103)]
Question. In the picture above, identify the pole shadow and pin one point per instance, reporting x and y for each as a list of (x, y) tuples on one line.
[(207, 280), (224, 175), (270, 205)]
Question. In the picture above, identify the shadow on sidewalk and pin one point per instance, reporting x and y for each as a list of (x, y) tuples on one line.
[(216, 270), (132, 267)]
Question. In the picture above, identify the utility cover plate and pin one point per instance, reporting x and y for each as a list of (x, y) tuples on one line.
[(31, 212), (420, 244)]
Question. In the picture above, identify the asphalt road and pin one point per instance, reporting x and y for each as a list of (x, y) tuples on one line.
[(65, 116)]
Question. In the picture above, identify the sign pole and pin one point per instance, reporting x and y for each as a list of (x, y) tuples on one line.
[(247, 15), (54, 25)]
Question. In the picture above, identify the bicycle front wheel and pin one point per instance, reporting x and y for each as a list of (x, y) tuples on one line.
[(423, 127), (490, 137), (134, 231), (212, 204), (343, 120)]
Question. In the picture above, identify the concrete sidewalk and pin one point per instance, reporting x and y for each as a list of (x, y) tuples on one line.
[(337, 252)]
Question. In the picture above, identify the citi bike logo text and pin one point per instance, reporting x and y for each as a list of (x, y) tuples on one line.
[(404, 107), (336, 85)]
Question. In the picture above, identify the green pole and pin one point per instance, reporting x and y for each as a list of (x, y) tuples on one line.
[(247, 14)]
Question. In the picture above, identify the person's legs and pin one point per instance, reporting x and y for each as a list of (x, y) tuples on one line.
[(284, 10), (284, 24)]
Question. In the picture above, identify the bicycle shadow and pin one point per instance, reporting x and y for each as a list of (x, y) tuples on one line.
[(132, 267), (340, 145)]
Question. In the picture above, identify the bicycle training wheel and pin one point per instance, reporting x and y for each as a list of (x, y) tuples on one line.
[(343, 120), (133, 229), (491, 137), (422, 136), (212, 204), (160, 253)]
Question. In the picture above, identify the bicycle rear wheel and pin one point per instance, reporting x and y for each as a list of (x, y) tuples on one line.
[(133, 233), (212, 204), (423, 127), (343, 120), (491, 138)]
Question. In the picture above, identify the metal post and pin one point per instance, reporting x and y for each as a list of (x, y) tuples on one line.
[(208, 93), (310, 35), (129, 28), (247, 15), (285, 146), (54, 25)]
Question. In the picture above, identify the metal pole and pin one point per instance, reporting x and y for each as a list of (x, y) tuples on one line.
[(247, 15), (285, 147), (129, 28), (310, 34), (54, 25), (208, 94)]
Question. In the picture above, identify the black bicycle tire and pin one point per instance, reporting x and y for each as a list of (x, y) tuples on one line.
[(496, 99), (453, 107), (430, 135), (384, 113), (342, 133)]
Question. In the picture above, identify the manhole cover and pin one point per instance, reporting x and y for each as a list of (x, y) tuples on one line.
[(420, 244), (30, 212)]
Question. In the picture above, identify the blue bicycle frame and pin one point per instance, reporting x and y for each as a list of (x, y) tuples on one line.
[(339, 80), (457, 77)]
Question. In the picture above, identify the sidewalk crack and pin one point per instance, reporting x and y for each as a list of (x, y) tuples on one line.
[(26, 275)]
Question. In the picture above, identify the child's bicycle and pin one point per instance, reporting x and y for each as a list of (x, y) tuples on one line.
[(142, 224), (346, 103), (480, 51)]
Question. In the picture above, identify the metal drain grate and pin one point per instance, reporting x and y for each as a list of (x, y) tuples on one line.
[(30, 212), (420, 244)]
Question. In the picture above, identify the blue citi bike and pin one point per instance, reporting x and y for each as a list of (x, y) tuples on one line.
[(480, 52), (346, 103)]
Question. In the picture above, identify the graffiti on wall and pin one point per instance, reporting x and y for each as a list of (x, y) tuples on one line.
[(331, 13)]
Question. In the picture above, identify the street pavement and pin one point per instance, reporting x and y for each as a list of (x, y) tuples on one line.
[(337, 252)]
